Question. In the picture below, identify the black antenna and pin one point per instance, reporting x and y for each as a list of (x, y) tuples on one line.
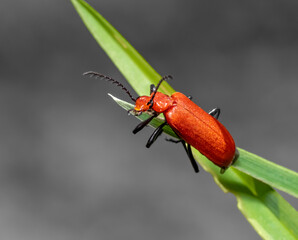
[(158, 85), (99, 75)]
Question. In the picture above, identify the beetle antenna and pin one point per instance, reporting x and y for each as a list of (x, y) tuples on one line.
[(99, 75), (156, 88)]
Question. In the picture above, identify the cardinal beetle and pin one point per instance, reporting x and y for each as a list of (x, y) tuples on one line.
[(193, 126)]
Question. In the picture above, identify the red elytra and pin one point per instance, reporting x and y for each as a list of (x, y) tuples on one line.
[(193, 125)]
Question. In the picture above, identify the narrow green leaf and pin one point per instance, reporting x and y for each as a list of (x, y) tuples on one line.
[(270, 215), (277, 176), (265, 209), (130, 63)]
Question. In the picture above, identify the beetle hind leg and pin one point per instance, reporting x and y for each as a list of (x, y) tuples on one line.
[(187, 148), (222, 170), (190, 156), (173, 140)]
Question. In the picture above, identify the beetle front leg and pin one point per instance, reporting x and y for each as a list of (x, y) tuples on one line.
[(215, 112), (143, 124), (157, 132)]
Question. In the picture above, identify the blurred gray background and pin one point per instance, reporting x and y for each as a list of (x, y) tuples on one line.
[(70, 167)]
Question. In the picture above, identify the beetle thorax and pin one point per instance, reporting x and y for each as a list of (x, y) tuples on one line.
[(161, 103)]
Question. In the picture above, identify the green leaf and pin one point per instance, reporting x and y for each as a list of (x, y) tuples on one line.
[(270, 214), (277, 176), (130, 63)]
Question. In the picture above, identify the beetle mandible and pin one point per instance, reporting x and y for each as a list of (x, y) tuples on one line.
[(193, 126)]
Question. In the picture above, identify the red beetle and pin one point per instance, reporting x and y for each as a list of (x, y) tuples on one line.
[(193, 125)]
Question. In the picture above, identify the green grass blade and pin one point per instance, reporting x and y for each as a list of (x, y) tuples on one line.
[(270, 215), (277, 176), (130, 63), (266, 210)]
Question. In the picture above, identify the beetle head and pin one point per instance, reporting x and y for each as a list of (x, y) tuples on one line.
[(141, 104)]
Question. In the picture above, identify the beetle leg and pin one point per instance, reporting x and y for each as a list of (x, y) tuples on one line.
[(173, 140), (143, 124), (190, 156), (152, 88), (188, 152), (192, 159), (157, 132), (215, 112), (222, 170), (156, 88)]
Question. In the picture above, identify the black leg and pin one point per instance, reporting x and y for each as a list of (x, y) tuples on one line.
[(143, 124), (156, 88), (215, 112), (190, 156), (152, 88), (157, 132), (173, 140), (188, 152), (223, 169)]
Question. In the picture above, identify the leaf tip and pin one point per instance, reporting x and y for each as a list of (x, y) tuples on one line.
[(114, 98)]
